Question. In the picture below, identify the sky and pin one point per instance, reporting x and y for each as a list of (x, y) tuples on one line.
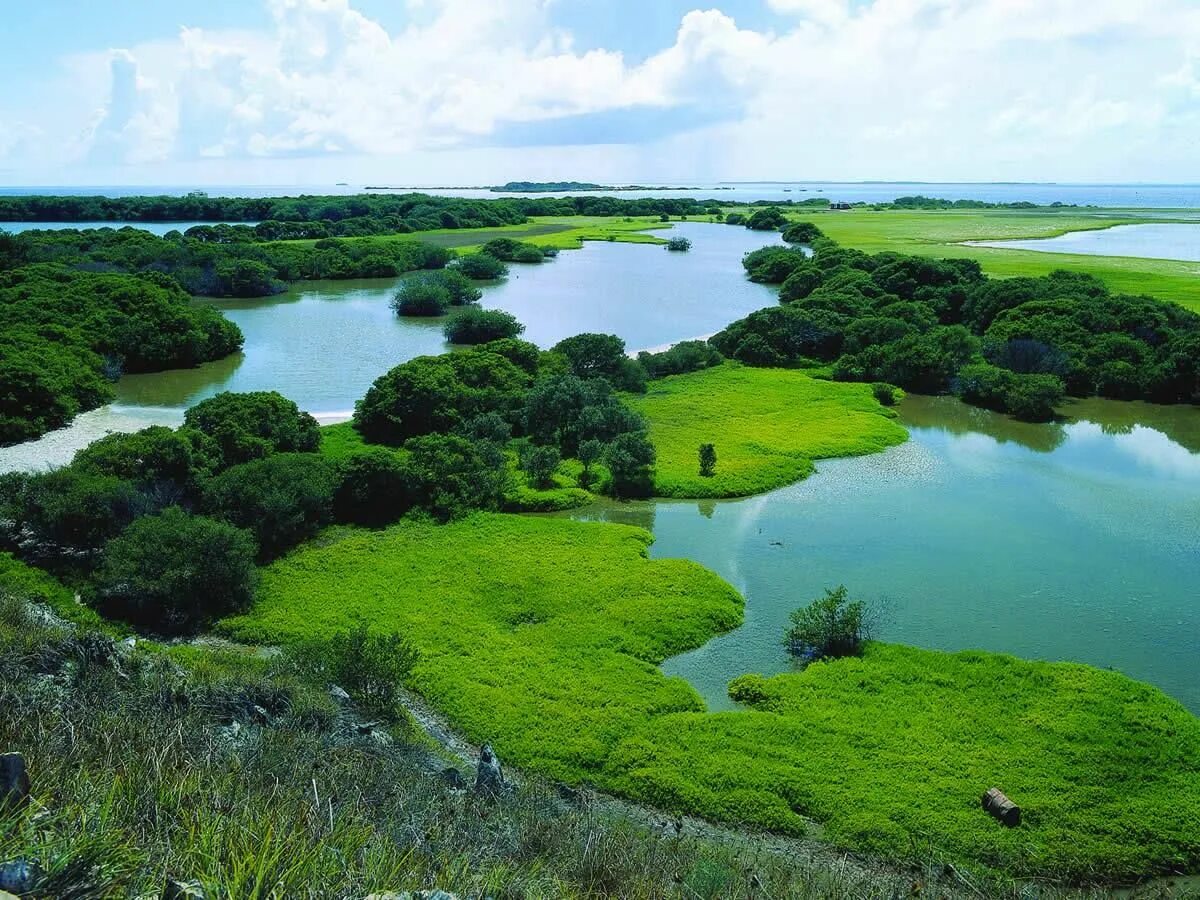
[(475, 92)]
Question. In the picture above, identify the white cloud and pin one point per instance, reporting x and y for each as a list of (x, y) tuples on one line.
[(937, 89)]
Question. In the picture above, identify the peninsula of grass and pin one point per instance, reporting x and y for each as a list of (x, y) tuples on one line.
[(767, 425), (942, 233), (542, 636)]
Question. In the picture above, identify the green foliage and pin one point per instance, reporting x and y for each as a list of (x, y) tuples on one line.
[(461, 289), (771, 424), (480, 267), (802, 233), (369, 665), (686, 356), (438, 394), (566, 411), (282, 499), (26, 584), (522, 354), (708, 460), (421, 297), (735, 219), (679, 245), (884, 393), (375, 487), (453, 476), (602, 356), (546, 643), (539, 464), (831, 626), (768, 219), (630, 460), (155, 456), (253, 425), (173, 572), (64, 334), (773, 265), (480, 326), (1028, 397)]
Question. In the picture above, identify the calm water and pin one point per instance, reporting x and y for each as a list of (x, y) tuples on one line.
[(324, 342), (1076, 541), (1151, 241), (152, 227), (1124, 195)]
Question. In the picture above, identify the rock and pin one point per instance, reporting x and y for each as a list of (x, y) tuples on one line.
[(489, 779), (259, 716), (999, 806), (182, 890), (14, 781), (18, 876), (339, 696), (366, 728), (453, 779)]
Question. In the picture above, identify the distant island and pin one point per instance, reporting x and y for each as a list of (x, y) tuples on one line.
[(548, 187)]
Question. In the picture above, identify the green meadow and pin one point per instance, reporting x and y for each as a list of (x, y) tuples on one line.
[(940, 233), (542, 636), (767, 425)]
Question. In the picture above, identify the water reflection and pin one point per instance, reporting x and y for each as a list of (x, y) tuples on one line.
[(1075, 540)]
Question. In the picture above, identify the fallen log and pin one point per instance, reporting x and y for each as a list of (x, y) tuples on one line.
[(998, 805)]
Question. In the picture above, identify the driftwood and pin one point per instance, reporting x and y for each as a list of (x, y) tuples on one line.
[(998, 805)]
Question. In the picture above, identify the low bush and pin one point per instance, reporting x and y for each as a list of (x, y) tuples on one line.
[(479, 326)]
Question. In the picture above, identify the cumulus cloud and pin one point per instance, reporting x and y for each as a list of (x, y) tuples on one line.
[(873, 88)]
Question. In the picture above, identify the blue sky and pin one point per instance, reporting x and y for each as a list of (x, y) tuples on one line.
[(477, 91)]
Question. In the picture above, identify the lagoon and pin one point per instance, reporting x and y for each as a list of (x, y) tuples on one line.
[(1078, 540), (1151, 241), (322, 343)]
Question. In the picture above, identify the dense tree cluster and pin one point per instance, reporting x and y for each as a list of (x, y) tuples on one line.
[(1015, 344), (509, 250), (557, 404), (66, 335), (227, 268)]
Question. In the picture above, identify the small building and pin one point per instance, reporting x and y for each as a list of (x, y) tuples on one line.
[(841, 205)]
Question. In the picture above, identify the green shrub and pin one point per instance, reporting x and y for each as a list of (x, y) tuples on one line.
[(884, 393), (421, 297), (369, 665), (173, 572), (679, 245), (480, 267), (375, 487), (282, 499), (708, 460), (540, 463), (253, 425), (802, 233), (832, 626), (479, 326)]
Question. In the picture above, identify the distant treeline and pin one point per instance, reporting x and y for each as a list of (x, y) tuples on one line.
[(311, 217), (558, 187)]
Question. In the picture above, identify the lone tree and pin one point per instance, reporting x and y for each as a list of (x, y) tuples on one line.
[(679, 244), (708, 460), (832, 626)]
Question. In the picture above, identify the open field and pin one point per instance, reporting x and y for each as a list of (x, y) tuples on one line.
[(541, 636), (940, 233), (767, 426)]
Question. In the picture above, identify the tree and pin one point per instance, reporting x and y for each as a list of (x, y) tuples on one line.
[(540, 463), (592, 355), (590, 452), (421, 297), (832, 626), (452, 475), (679, 245), (630, 460), (802, 233), (67, 514), (479, 326), (154, 455), (282, 499), (417, 397), (461, 289), (768, 219), (374, 487), (480, 267), (173, 572), (708, 460), (253, 425)]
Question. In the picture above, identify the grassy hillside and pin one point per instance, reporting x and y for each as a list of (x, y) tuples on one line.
[(940, 233), (767, 425), (541, 635)]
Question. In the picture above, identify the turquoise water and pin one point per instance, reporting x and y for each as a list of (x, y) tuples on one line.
[(1075, 541)]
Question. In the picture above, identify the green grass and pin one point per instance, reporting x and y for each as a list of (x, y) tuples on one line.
[(940, 233), (541, 636), (767, 425)]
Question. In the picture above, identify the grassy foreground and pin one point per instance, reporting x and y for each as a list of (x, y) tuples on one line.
[(767, 425), (940, 233), (541, 636)]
